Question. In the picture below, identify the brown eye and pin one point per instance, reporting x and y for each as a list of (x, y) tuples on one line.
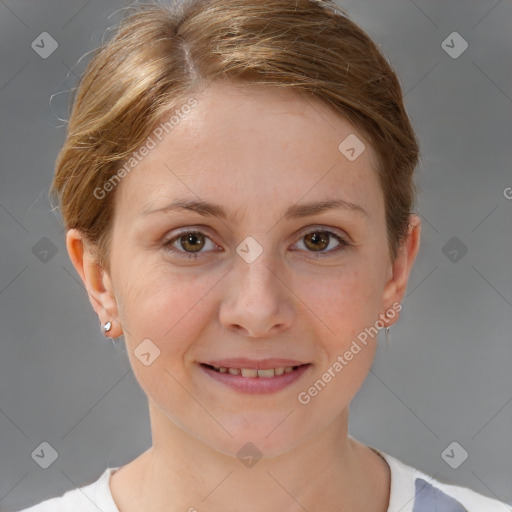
[(317, 241), (322, 243), (192, 242)]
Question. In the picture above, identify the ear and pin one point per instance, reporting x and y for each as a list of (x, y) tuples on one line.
[(401, 268), (97, 281)]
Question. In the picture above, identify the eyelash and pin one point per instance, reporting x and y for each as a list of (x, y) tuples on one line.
[(343, 243)]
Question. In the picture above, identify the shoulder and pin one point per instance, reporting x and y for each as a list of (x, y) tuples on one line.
[(90, 498), (65, 503), (414, 491), (430, 492)]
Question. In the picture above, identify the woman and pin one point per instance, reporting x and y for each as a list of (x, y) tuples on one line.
[(237, 188)]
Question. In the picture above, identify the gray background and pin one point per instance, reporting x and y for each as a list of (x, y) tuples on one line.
[(446, 376)]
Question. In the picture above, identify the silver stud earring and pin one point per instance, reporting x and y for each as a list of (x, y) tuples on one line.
[(107, 326)]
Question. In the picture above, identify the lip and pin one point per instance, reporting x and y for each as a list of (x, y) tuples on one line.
[(256, 385), (261, 364)]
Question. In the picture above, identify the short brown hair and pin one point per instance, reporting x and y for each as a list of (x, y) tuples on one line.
[(162, 54)]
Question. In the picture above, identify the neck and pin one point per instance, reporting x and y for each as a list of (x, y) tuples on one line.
[(328, 471)]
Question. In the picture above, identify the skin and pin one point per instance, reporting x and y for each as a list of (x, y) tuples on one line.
[(256, 152)]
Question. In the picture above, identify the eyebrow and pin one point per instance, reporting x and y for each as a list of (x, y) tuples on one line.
[(296, 211)]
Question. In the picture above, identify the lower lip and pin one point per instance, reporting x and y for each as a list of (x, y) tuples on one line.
[(256, 385)]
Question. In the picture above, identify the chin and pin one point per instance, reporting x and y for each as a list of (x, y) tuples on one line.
[(269, 438)]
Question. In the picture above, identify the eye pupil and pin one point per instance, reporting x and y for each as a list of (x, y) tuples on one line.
[(192, 238), (316, 238)]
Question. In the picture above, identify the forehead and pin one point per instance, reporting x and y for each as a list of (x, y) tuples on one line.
[(243, 144)]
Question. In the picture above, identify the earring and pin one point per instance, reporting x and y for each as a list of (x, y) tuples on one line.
[(107, 326), (386, 329)]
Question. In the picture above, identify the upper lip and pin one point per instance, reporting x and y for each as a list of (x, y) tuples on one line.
[(261, 364)]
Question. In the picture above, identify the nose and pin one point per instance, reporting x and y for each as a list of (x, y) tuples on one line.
[(257, 302)]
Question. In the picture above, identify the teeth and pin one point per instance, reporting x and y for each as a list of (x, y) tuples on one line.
[(252, 373), (249, 372), (265, 373)]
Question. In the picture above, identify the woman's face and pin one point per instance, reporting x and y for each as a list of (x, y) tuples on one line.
[(257, 283)]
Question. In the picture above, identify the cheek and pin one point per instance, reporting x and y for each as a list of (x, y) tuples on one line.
[(167, 308), (346, 300), (164, 314), (346, 305)]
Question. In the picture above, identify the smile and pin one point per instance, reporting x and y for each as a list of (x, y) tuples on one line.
[(252, 373), (255, 380)]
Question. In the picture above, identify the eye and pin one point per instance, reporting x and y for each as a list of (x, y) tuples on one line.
[(190, 243), (318, 240)]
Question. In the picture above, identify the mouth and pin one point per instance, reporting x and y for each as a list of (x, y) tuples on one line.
[(253, 372), (264, 376)]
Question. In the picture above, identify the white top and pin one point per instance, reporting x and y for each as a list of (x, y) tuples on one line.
[(411, 491)]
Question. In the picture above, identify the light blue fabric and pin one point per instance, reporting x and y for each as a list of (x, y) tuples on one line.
[(430, 499)]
